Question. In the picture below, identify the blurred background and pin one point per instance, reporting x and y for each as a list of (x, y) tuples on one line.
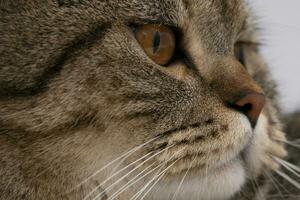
[(279, 21)]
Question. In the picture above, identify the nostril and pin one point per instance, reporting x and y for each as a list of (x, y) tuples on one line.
[(251, 105)]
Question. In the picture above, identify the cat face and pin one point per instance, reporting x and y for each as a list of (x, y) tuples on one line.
[(79, 90)]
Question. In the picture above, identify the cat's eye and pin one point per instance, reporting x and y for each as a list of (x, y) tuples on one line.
[(157, 41), (239, 52)]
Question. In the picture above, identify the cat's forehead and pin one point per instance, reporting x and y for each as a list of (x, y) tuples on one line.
[(217, 22), (173, 11)]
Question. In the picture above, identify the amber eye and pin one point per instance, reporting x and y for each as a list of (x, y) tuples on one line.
[(158, 42), (239, 52)]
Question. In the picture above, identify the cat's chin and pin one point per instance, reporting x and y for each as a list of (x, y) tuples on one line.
[(219, 184)]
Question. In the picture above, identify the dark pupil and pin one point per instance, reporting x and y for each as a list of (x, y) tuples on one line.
[(241, 55), (156, 42)]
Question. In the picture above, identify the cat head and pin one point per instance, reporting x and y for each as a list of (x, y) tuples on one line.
[(173, 86)]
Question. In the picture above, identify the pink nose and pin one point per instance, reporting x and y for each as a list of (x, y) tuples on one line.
[(251, 105)]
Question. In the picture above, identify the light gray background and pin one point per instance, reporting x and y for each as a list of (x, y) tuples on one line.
[(280, 23)]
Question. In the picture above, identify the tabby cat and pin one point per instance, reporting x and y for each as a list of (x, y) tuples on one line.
[(127, 99)]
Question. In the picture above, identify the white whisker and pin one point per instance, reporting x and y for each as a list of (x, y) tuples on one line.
[(159, 166), (289, 179), (294, 167), (124, 176), (280, 184), (155, 176), (160, 175), (288, 168), (255, 186), (297, 140), (123, 169), (134, 197), (286, 196), (127, 154), (126, 186), (183, 178), (115, 174), (294, 143), (157, 180), (275, 182)]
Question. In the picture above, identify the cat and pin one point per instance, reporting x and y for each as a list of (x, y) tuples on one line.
[(126, 99)]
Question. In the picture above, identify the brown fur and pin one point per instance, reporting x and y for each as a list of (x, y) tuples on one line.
[(77, 91)]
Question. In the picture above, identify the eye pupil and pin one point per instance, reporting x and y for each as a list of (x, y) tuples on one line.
[(242, 56), (240, 53), (156, 42)]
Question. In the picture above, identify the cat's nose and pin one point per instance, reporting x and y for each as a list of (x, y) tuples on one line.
[(235, 87), (251, 105)]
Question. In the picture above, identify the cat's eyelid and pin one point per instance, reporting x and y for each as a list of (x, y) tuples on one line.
[(249, 43), (176, 29), (247, 38), (137, 23)]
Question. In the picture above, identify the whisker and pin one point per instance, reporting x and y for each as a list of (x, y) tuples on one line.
[(158, 179), (118, 165), (124, 176), (294, 167), (254, 185), (183, 178), (258, 191), (275, 183), (296, 140), (124, 188), (127, 154), (286, 196), (132, 182), (134, 197), (289, 179), (116, 173), (207, 166), (280, 184), (294, 143), (288, 168), (155, 176)]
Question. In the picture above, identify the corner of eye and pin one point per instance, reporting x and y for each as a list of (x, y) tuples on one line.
[(177, 70)]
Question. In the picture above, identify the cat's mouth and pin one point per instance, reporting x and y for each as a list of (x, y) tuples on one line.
[(205, 147)]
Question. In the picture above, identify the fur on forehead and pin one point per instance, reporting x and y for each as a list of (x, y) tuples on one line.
[(224, 20), (163, 11)]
